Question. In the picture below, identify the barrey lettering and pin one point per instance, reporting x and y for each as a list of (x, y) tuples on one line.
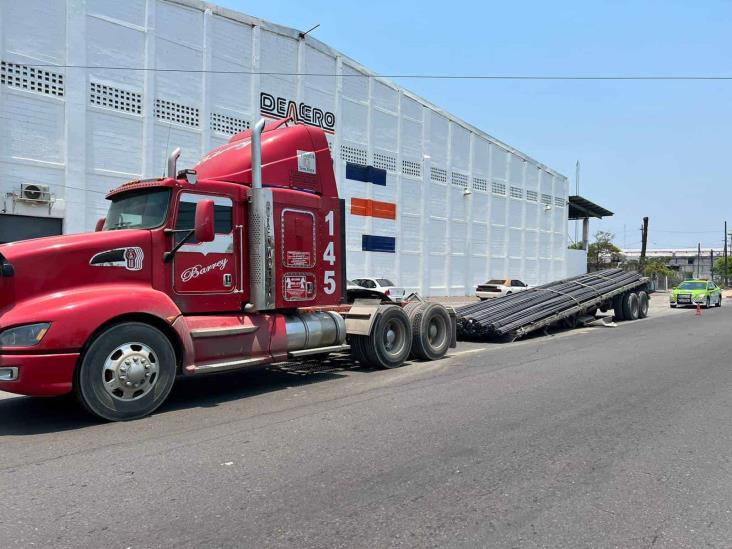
[(197, 270)]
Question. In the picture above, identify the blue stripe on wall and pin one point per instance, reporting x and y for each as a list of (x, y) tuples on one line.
[(368, 174), (372, 243)]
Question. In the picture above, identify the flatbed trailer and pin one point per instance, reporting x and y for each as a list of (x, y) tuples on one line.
[(514, 316)]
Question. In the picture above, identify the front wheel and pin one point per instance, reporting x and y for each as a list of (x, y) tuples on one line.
[(707, 303), (127, 372), (719, 301)]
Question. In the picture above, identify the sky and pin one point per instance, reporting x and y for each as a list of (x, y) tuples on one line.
[(661, 149)]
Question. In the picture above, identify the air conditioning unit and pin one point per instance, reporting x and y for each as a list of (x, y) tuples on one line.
[(34, 192)]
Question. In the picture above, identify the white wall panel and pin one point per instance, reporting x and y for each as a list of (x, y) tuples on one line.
[(446, 241)]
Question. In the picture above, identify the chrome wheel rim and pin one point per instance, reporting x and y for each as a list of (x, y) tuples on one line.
[(130, 371), (436, 332), (393, 337)]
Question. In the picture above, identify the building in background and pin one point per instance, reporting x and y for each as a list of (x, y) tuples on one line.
[(444, 206), (686, 262)]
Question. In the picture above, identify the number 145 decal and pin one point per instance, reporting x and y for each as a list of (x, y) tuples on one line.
[(329, 283)]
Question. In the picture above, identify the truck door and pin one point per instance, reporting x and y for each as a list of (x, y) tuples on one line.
[(205, 273)]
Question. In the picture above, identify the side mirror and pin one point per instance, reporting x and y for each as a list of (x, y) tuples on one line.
[(100, 224), (204, 225)]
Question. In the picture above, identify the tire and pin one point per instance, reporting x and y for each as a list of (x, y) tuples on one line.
[(673, 306), (411, 308), (618, 308), (708, 302), (390, 341), (719, 301), (631, 306), (431, 331), (126, 373), (643, 303)]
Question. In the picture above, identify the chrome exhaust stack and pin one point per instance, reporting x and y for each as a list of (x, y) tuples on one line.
[(261, 231), (173, 163)]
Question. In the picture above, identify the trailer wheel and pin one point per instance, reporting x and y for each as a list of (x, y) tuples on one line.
[(643, 302), (390, 341), (126, 373), (630, 306), (431, 328), (618, 307)]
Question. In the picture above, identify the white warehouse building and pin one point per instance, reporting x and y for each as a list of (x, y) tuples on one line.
[(450, 206)]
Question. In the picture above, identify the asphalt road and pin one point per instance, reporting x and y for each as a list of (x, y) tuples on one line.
[(599, 437)]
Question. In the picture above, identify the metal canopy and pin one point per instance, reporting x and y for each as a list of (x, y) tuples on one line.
[(581, 208)]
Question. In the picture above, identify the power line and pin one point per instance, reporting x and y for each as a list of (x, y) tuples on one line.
[(406, 75)]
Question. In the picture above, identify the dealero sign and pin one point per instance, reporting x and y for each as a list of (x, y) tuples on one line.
[(281, 107)]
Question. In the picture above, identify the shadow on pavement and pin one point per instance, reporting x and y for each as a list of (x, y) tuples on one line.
[(36, 415)]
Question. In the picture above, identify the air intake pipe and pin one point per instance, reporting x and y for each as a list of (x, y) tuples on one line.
[(173, 163), (261, 232)]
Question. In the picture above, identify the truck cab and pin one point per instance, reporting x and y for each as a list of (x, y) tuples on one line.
[(236, 262)]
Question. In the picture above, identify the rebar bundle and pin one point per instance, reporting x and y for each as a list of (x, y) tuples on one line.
[(520, 312)]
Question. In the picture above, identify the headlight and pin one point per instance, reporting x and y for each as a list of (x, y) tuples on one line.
[(24, 336)]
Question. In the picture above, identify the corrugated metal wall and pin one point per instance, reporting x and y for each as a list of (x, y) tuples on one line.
[(84, 131)]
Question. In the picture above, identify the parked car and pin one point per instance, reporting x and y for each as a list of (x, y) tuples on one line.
[(381, 285), (498, 287), (691, 292)]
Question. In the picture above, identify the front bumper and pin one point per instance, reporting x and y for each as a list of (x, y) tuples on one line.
[(38, 375), (693, 300)]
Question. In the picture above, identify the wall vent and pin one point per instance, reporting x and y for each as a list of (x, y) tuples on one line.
[(480, 184), (517, 192), (353, 154), (169, 111), (411, 168), (532, 196), (385, 162), (460, 180), (229, 125), (118, 99), (498, 188), (25, 77), (438, 174)]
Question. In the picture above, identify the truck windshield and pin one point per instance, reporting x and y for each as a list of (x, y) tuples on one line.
[(143, 209)]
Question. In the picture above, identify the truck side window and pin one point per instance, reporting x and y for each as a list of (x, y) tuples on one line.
[(185, 218)]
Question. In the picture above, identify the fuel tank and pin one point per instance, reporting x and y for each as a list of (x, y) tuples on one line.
[(313, 330)]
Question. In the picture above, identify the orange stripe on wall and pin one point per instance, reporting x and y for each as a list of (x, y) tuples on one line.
[(373, 208)]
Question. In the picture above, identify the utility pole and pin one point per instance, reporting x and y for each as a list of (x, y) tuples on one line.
[(698, 260), (644, 242), (725, 254), (576, 192), (711, 265)]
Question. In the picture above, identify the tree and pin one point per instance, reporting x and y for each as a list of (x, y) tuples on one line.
[(720, 269), (602, 250), (656, 268), (577, 246)]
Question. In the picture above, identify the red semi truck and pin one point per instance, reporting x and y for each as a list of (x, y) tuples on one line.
[(237, 262)]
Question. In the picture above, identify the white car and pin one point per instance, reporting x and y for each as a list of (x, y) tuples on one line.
[(382, 285), (499, 287)]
